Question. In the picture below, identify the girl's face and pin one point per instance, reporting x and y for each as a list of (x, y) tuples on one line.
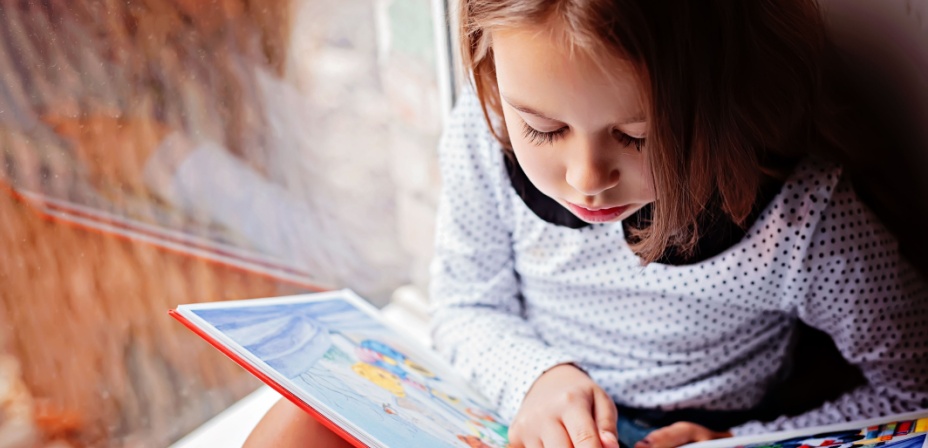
[(578, 133)]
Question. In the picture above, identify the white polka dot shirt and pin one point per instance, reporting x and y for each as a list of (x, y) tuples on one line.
[(514, 295)]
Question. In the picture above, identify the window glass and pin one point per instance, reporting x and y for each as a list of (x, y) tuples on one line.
[(160, 152)]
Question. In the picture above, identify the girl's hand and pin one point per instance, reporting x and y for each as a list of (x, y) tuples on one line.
[(679, 433), (565, 408)]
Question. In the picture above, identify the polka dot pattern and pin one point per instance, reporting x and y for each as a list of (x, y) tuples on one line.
[(514, 295)]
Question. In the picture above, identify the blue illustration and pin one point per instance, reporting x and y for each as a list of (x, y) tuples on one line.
[(360, 370)]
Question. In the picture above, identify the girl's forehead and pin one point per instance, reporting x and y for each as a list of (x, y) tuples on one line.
[(549, 44), (559, 41), (535, 69)]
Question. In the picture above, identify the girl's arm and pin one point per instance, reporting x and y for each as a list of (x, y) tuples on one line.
[(477, 318), (850, 281)]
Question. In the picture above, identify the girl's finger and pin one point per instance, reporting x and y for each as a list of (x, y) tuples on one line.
[(517, 435), (535, 443), (609, 440), (675, 435), (555, 436), (606, 417), (580, 426), (526, 432)]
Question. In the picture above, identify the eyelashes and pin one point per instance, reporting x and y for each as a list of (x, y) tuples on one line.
[(539, 138), (628, 140)]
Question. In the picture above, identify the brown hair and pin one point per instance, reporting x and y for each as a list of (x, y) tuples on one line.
[(735, 93)]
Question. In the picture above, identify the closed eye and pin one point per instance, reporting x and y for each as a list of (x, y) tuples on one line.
[(539, 138), (628, 140)]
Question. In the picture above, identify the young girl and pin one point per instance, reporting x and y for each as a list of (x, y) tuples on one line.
[(637, 212)]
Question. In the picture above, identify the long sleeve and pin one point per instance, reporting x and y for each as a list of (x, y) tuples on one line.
[(852, 283), (477, 320)]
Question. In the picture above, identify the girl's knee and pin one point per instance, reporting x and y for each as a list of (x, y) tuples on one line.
[(286, 425)]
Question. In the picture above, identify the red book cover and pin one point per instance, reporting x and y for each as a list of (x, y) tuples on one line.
[(267, 380)]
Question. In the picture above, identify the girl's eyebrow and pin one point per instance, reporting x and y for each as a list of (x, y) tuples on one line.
[(637, 118), (527, 109)]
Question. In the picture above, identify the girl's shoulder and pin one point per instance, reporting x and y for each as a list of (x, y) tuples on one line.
[(813, 178), (466, 133), (468, 151), (471, 160), (806, 192), (816, 205)]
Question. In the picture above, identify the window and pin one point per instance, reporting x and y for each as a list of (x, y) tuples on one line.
[(161, 152)]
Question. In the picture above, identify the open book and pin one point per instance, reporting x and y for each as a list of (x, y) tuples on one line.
[(333, 355), (908, 430)]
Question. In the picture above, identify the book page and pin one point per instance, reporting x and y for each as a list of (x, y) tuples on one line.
[(333, 351), (908, 430)]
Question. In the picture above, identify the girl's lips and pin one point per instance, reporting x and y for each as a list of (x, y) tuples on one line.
[(599, 215)]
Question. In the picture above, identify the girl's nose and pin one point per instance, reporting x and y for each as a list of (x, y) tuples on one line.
[(589, 173)]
